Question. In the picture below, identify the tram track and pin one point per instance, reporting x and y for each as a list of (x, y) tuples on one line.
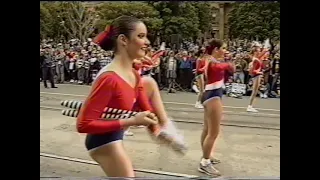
[(165, 174), (230, 124), (87, 162)]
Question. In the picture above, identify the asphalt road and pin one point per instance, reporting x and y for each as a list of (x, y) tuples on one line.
[(181, 110), (182, 97), (245, 152), (50, 167)]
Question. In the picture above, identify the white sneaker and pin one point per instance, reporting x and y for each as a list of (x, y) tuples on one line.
[(233, 95), (71, 81), (198, 105), (128, 133), (195, 88), (251, 109)]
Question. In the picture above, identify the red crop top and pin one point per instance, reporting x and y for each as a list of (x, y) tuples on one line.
[(110, 90)]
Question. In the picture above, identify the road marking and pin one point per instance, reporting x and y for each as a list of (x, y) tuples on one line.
[(188, 121), (186, 111), (231, 107), (76, 95), (149, 171), (167, 102), (252, 114)]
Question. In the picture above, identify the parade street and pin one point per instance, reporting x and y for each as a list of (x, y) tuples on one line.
[(248, 145)]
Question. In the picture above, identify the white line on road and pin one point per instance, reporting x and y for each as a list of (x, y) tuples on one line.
[(188, 110), (183, 110), (76, 95), (177, 103), (149, 171), (188, 121)]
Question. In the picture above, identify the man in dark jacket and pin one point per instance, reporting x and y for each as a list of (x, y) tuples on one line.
[(46, 61)]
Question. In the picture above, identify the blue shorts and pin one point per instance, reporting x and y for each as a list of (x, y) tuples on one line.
[(96, 140), (210, 94)]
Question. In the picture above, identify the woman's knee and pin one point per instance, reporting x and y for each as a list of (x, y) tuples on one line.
[(205, 125), (213, 131)]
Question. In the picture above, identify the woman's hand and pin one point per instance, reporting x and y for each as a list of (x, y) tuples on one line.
[(145, 118)]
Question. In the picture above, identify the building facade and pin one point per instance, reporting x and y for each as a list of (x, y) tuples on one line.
[(220, 19)]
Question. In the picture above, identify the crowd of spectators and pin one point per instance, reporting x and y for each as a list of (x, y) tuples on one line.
[(78, 62)]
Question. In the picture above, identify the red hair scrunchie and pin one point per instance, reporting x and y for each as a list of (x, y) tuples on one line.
[(103, 35)]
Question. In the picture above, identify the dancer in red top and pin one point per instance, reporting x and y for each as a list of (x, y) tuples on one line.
[(142, 65), (200, 65), (255, 71), (138, 65), (211, 100), (151, 87), (117, 86)]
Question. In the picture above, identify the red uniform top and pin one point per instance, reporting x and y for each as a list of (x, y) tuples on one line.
[(138, 67), (215, 74), (109, 90), (147, 63), (200, 66), (256, 67)]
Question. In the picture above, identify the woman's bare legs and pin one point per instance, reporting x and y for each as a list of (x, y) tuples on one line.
[(213, 115), (205, 128), (204, 135), (200, 82), (113, 160), (255, 89)]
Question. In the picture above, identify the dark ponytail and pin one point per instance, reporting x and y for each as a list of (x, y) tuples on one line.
[(215, 43), (121, 25)]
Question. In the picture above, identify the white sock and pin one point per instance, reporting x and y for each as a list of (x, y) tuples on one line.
[(205, 162), (249, 106)]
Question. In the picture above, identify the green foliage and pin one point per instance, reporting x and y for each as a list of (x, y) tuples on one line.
[(68, 19), (249, 20), (111, 10), (178, 18), (205, 13), (49, 23), (255, 20)]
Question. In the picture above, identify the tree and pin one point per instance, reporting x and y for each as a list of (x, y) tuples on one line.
[(49, 24), (255, 20), (111, 10), (178, 18), (44, 21), (205, 13), (77, 19)]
